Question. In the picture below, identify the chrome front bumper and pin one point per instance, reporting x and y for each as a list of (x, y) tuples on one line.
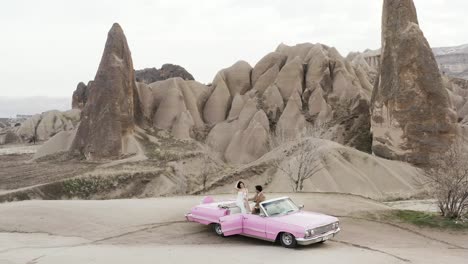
[(317, 239)]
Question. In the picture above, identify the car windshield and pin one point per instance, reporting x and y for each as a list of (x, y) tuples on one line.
[(280, 207)]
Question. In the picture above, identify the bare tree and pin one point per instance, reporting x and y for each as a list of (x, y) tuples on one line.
[(306, 161), (302, 166), (448, 178)]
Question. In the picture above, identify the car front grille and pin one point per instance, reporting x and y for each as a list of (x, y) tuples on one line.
[(323, 229)]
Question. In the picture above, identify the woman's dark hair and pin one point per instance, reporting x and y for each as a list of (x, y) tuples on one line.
[(259, 188), (238, 184)]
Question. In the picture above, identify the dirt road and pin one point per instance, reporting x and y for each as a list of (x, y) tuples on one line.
[(155, 231), (17, 171)]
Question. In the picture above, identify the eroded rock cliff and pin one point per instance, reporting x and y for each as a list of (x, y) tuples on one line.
[(412, 116)]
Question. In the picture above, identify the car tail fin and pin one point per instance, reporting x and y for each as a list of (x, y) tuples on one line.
[(208, 200)]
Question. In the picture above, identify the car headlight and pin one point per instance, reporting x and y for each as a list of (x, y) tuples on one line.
[(336, 225), (309, 233)]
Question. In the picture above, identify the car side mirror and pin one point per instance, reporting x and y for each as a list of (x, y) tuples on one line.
[(301, 207)]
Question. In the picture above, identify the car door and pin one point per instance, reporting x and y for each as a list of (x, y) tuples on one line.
[(254, 225), (231, 224)]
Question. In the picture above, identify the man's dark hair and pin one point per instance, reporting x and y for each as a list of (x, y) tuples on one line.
[(238, 184), (259, 188)]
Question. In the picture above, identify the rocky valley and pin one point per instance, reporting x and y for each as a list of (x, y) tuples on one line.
[(357, 159), (371, 120)]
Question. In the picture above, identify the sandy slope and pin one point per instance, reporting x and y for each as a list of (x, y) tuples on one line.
[(154, 231), (344, 170)]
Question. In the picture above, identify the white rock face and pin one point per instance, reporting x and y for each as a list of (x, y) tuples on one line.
[(170, 107), (183, 125), (236, 107), (216, 107), (175, 105), (251, 143), (287, 91), (242, 140), (58, 143), (292, 122), (220, 136), (290, 78), (458, 93), (237, 78), (228, 83), (146, 98), (319, 107), (44, 126), (273, 102), (266, 71)]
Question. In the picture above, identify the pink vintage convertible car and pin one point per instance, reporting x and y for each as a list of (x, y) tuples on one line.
[(279, 219)]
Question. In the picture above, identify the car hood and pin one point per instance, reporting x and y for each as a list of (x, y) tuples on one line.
[(305, 219)]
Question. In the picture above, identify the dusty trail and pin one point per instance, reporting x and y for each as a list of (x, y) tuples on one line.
[(16, 171), (155, 231)]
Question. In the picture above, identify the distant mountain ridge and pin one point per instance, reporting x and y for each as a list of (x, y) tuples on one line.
[(440, 51), (452, 61)]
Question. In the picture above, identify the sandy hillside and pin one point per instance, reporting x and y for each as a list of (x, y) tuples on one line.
[(344, 170), (154, 231), (179, 167)]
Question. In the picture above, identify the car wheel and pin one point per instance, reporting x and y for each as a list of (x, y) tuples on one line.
[(288, 240), (218, 230)]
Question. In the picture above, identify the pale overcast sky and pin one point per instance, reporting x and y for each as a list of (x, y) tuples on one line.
[(48, 46)]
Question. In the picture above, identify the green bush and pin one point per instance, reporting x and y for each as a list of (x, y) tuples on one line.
[(432, 220)]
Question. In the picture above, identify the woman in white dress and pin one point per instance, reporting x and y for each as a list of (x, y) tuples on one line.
[(242, 200)]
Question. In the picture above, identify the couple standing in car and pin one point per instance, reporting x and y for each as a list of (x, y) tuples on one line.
[(242, 200)]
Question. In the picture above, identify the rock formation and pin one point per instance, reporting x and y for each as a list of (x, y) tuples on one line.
[(307, 85), (146, 76), (293, 90), (108, 116), (251, 143), (8, 136), (167, 71), (367, 65), (266, 70), (40, 127), (288, 91), (80, 96), (292, 122), (458, 92), (46, 125), (412, 116), (174, 105), (61, 142)]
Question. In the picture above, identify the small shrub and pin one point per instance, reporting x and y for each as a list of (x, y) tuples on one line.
[(448, 178), (424, 219)]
